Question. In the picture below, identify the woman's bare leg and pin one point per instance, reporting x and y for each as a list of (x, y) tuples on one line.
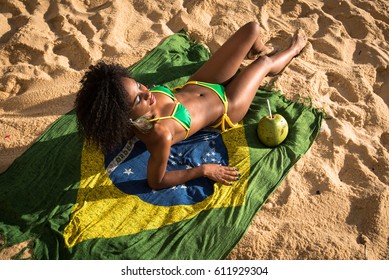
[(225, 62), (242, 89)]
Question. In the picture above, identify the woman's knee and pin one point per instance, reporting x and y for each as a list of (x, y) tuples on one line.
[(252, 29)]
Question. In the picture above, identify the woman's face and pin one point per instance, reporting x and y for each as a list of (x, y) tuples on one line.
[(142, 100)]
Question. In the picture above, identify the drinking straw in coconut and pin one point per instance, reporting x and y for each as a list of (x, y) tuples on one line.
[(268, 106)]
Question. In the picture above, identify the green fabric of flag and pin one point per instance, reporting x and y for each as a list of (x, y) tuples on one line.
[(61, 195)]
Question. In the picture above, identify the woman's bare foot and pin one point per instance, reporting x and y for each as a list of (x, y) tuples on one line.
[(255, 53), (258, 49), (299, 41), (279, 61)]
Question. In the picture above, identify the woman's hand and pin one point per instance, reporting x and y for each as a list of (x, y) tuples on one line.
[(220, 173)]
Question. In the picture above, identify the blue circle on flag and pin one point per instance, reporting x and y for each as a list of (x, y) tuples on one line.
[(127, 168)]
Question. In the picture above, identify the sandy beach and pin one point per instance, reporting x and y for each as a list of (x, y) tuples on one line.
[(334, 203)]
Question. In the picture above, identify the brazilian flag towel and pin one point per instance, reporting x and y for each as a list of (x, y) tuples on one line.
[(73, 202)]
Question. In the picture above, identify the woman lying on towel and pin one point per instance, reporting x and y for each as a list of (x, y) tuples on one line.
[(112, 107)]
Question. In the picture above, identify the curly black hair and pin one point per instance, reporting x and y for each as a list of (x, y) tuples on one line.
[(102, 106)]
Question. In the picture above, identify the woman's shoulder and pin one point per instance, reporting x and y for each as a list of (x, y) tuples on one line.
[(158, 135)]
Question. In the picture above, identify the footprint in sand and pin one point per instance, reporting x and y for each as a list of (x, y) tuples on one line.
[(367, 54), (23, 53), (351, 22), (330, 46), (343, 86), (71, 47), (349, 16), (354, 173), (353, 114), (145, 7), (369, 213), (381, 85), (31, 5), (385, 140), (15, 39), (13, 17), (74, 34), (9, 26), (293, 9), (376, 161), (320, 181), (284, 196), (374, 8)]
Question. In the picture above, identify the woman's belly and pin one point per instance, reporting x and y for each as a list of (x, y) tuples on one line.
[(204, 106)]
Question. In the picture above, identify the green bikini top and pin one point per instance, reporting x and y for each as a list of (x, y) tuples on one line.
[(179, 114)]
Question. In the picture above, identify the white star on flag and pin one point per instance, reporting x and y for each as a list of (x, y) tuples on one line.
[(128, 171)]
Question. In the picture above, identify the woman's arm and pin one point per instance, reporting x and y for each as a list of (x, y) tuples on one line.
[(158, 178)]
